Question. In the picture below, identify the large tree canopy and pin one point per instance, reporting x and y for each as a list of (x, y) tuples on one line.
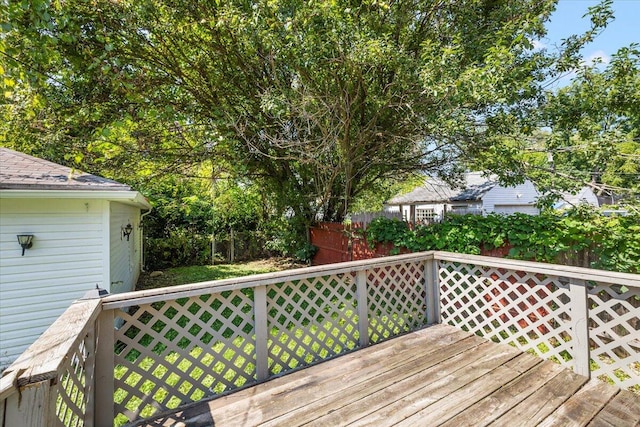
[(589, 133), (596, 125), (318, 101)]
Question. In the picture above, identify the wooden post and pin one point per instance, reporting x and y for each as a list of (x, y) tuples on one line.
[(363, 307), (31, 406), (580, 327), (432, 291), (262, 332), (104, 408), (232, 248), (213, 249), (90, 370)]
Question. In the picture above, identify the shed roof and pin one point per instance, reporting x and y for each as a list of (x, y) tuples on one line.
[(19, 171), (435, 190)]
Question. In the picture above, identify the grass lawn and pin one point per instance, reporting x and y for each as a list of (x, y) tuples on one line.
[(203, 273)]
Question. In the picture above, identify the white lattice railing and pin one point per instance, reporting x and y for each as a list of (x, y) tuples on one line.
[(132, 356), (206, 339), (588, 320)]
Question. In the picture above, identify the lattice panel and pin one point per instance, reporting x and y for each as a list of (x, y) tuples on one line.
[(310, 320), (614, 334), (174, 352), (71, 390), (530, 311), (396, 298)]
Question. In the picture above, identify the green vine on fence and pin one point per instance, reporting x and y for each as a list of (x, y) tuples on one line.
[(580, 236)]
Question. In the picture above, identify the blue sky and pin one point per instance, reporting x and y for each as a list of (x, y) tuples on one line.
[(567, 20)]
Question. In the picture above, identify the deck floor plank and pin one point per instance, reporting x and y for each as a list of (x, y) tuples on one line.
[(399, 393), (461, 399), (496, 404), (583, 406), (621, 411), (353, 387), (311, 384), (541, 403), (377, 359), (440, 385), (435, 376)]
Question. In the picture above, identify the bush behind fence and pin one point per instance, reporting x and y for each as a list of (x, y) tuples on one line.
[(181, 249)]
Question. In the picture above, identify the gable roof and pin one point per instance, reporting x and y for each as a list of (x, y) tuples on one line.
[(584, 196), (19, 171), (437, 191)]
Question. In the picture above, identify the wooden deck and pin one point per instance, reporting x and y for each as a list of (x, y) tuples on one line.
[(435, 376)]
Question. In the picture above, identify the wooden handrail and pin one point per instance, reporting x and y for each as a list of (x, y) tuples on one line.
[(8, 384), (43, 358), (559, 270), (195, 289)]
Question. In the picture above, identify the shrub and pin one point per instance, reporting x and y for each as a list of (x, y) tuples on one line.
[(575, 236)]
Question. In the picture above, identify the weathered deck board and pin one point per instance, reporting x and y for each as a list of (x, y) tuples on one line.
[(352, 399), (466, 395), (543, 401), (446, 379), (313, 383), (496, 404), (583, 406), (435, 376), (622, 411)]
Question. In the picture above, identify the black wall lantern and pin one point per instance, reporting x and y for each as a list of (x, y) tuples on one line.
[(126, 231), (26, 241)]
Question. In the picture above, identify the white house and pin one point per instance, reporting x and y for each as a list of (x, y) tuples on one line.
[(85, 232), (480, 195), (584, 196)]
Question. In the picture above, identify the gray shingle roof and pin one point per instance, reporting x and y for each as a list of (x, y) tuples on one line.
[(437, 191), (19, 171)]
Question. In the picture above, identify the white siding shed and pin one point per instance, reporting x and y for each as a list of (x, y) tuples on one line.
[(76, 220)]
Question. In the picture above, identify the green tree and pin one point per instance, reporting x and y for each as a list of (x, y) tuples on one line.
[(595, 123), (318, 103), (318, 100), (592, 135)]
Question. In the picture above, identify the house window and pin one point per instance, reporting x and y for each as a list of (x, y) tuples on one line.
[(425, 216), (466, 209)]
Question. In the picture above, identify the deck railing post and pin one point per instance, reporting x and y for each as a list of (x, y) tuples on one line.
[(363, 308), (432, 290), (32, 406), (580, 326), (262, 332), (90, 370), (103, 406)]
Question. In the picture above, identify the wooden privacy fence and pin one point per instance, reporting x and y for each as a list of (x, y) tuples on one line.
[(337, 243), (131, 356)]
